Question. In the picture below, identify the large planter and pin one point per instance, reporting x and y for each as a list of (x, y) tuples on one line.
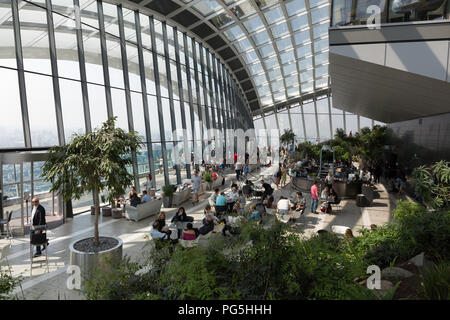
[(209, 185), (103, 261), (167, 201), (106, 212)]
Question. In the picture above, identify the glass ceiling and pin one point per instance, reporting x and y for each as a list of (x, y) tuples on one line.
[(279, 48)]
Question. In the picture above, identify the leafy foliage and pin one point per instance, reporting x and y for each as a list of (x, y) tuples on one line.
[(94, 162), (7, 285), (168, 190), (435, 283), (433, 184), (287, 137), (270, 262)]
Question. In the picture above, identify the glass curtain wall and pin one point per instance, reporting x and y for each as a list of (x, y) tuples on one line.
[(103, 52), (314, 120)]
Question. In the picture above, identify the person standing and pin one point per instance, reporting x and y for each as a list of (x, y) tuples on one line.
[(38, 219), (148, 183), (238, 168), (315, 197), (196, 182), (278, 177)]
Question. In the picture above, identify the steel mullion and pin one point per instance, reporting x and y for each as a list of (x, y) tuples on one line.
[(82, 64), (181, 95), (126, 81), (205, 93), (144, 98), (170, 91), (55, 79), (104, 53), (191, 103), (197, 91), (21, 74), (159, 102)]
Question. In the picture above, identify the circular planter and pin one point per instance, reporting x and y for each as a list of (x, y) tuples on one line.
[(209, 185), (105, 260)]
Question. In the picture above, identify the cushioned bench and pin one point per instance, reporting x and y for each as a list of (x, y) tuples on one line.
[(143, 210)]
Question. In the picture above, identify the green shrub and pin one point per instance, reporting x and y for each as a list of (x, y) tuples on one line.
[(207, 176), (435, 282), (168, 190)]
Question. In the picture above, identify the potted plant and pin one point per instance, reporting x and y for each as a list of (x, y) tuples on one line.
[(95, 162), (207, 176), (168, 192)]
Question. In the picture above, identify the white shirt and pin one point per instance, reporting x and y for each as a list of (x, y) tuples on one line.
[(283, 204), (233, 196), (33, 213)]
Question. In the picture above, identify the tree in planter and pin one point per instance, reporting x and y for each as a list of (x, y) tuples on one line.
[(168, 192), (94, 162), (287, 137)]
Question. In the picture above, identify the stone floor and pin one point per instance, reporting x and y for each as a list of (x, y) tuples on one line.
[(51, 284)]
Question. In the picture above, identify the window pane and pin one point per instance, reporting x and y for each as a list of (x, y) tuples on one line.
[(12, 131), (41, 110)]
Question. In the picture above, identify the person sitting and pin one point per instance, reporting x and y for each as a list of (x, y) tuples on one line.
[(156, 234), (135, 200), (255, 215), (299, 203), (221, 203), (283, 206), (324, 194), (189, 233), (209, 212), (333, 197), (208, 226), (212, 199), (237, 208), (268, 202), (161, 218), (232, 196), (232, 224), (182, 216), (132, 191), (241, 198), (268, 190), (145, 197), (234, 185), (247, 189)]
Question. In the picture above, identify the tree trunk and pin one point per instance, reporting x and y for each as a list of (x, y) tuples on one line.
[(97, 212)]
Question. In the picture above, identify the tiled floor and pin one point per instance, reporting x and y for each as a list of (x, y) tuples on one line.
[(52, 284)]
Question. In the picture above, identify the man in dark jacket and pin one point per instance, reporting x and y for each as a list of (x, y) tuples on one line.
[(38, 219)]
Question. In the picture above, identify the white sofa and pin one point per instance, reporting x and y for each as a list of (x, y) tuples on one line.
[(143, 210)]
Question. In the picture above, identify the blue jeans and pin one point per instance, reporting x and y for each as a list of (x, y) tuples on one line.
[(314, 205)]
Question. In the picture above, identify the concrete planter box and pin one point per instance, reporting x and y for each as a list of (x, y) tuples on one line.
[(167, 201), (209, 185), (181, 196), (104, 261), (217, 182), (203, 188)]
